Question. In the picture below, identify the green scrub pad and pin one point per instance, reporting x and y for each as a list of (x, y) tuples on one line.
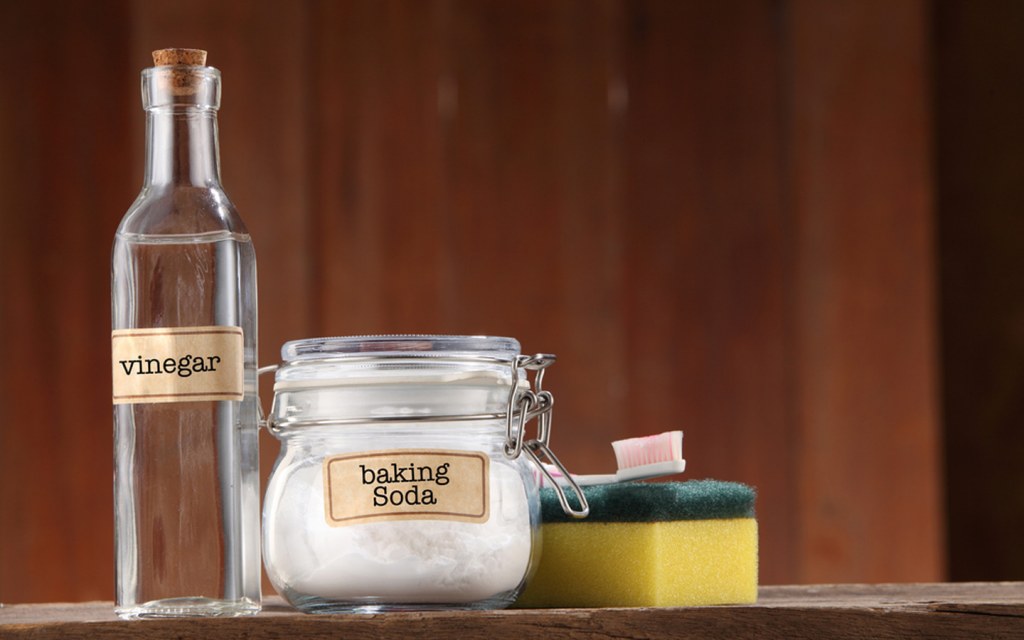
[(649, 544)]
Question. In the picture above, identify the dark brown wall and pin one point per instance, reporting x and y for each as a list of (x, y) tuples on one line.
[(979, 64), (717, 214)]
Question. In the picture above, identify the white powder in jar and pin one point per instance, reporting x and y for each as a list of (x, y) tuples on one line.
[(402, 561)]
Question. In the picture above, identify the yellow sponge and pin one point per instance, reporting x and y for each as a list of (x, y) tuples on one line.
[(695, 544)]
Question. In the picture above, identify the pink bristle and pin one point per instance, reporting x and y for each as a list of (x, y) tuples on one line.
[(635, 452)]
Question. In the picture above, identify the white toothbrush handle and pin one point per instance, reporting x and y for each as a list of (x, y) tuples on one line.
[(653, 470), (595, 479), (642, 472)]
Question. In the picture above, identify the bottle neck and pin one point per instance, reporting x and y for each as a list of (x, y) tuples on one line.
[(181, 147)]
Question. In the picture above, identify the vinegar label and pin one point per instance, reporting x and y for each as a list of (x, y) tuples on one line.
[(180, 364), (412, 484)]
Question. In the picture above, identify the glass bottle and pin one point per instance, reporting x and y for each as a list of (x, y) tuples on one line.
[(183, 279)]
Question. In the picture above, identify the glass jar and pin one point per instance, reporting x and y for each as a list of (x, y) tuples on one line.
[(400, 483)]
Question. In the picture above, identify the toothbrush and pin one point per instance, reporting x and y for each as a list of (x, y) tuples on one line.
[(639, 459)]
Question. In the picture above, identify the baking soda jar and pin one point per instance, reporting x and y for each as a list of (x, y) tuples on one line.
[(406, 479)]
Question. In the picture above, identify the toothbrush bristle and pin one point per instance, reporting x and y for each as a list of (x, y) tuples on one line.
[(635, 452)]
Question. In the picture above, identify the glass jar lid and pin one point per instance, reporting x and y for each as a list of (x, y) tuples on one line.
[(414, 346), (337, 381), (433, 380)]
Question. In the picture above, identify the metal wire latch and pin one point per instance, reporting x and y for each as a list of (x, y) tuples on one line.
[(525, 404)]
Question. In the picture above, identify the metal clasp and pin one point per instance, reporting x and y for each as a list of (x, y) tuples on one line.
[(525, 405), (264, 421)]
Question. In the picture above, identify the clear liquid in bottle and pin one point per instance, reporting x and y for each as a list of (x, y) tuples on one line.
[(186, 485)]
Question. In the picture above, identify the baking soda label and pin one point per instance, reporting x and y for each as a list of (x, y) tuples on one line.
[(407, 484), (178, 364)]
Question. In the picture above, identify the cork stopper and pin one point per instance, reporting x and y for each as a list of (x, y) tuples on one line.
[(181, 77), (174, 57)]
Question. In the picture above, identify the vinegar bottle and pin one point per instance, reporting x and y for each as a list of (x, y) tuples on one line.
[(183, 279)]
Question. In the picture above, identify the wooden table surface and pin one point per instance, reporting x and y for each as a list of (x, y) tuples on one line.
[(947, 610)]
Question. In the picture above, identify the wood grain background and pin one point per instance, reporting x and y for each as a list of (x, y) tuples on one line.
[(719, 215)]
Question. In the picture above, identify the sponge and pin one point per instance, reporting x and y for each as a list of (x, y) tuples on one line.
[(649, 545)]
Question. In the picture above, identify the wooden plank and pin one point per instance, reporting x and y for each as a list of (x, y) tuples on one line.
[(590, 111), (708, 250), (376, 167), (839, 611), (870, 483), (533, 177), (65, 181), (979, 151), (504, 175)]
